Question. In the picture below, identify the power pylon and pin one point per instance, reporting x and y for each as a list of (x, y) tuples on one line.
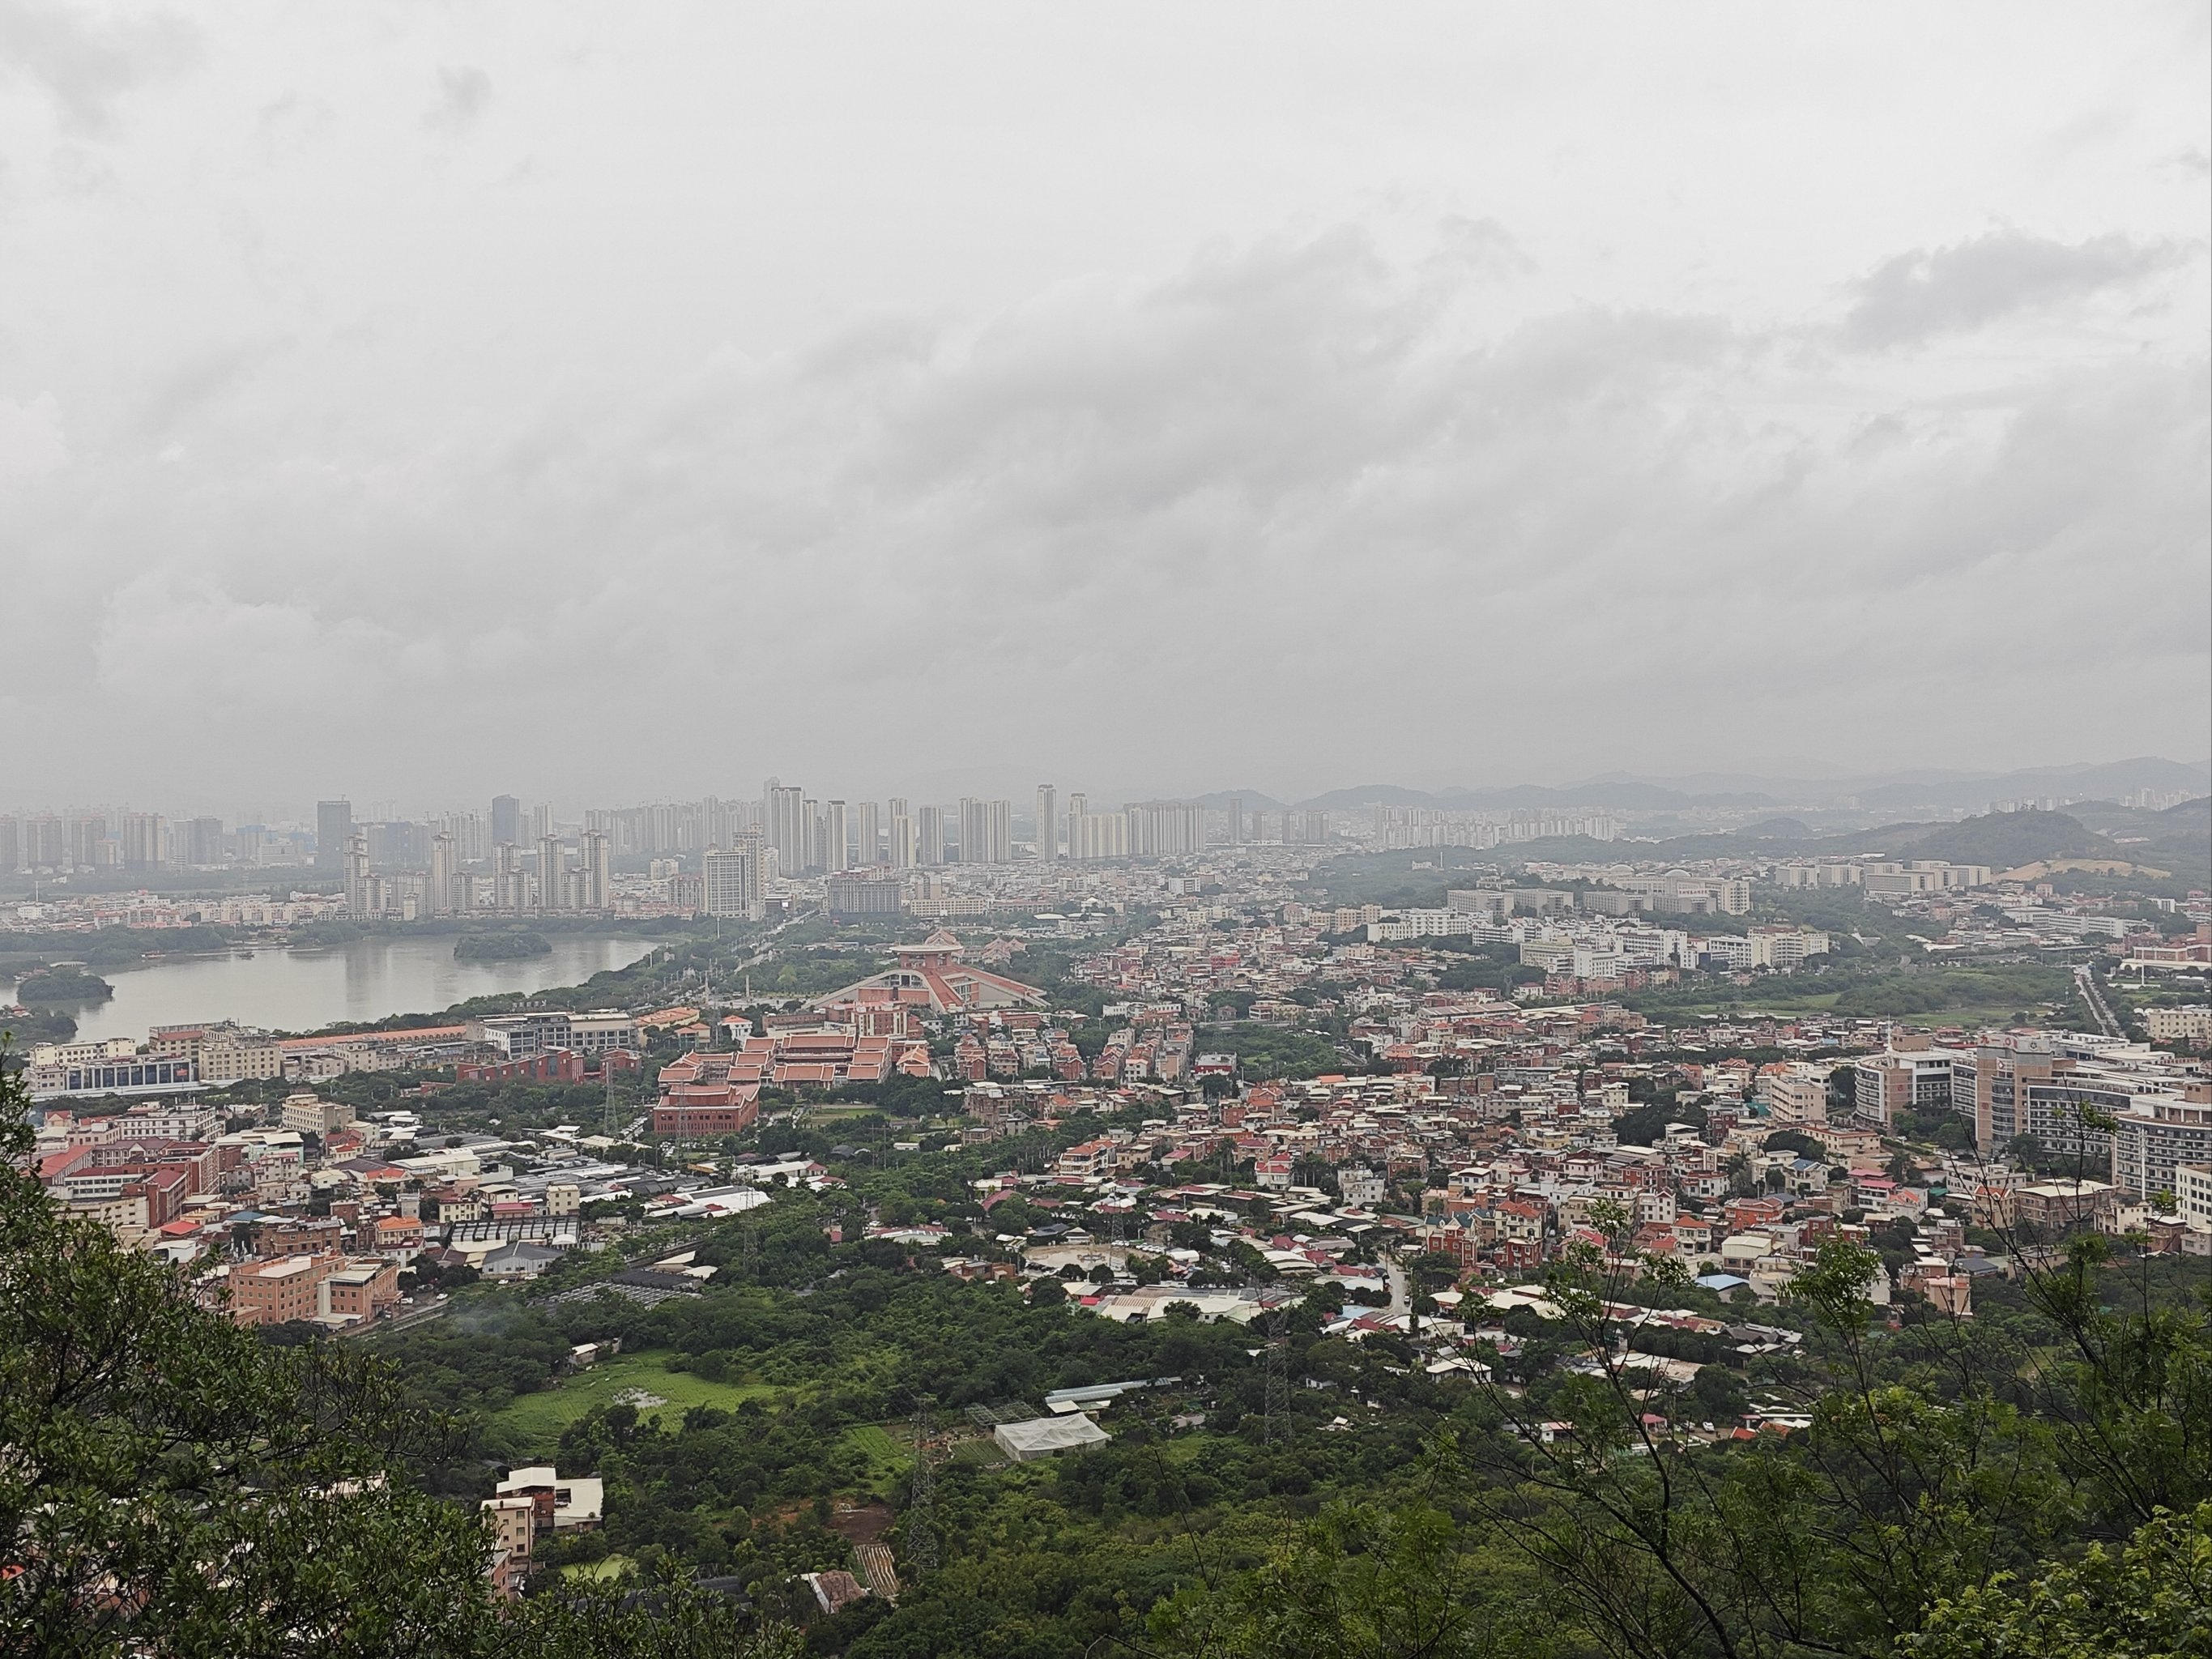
[(1277, 1406), (920, 1525)]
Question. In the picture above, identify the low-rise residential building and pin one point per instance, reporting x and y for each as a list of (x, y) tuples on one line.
[(308, 1114)]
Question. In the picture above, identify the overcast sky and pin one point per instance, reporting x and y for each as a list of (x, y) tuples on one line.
[(605, 404)]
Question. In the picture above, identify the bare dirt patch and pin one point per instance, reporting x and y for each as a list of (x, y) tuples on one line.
[(862, 1524)]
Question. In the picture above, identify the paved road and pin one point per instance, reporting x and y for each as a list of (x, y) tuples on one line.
[(1399, 1300), (2086, 982)]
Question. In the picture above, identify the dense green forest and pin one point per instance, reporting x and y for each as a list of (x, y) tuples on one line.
[(61, 987)]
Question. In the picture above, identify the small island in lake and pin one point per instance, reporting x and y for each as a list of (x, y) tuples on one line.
[(501, 947), (61, 987)]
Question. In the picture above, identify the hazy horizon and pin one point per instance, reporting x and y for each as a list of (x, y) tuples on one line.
[(414, 405), (1818, 786)]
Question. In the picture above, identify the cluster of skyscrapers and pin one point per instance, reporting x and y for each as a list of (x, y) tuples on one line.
[(550, 883), (117, 841), (516, 858)]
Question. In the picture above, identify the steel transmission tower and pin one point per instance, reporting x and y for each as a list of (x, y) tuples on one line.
[(1277, 1398), (922, 1503)]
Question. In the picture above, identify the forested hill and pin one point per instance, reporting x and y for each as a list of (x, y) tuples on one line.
[(2179, 838)]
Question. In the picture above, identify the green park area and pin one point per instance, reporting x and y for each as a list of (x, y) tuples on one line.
[(605, 1569), (642, 1380), (1928, 996)]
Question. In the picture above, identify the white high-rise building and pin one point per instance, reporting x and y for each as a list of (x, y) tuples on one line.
[(734, 879), (986, 831), (141, 841), (595, 878), (445, 871), (1096, 834), (509, 888), (552, 871), (783, 824), (837, 839), (929, 836), (1048, 822), (813, 846), (870, 819), (356, 876), (1163, 828), (903, 848)]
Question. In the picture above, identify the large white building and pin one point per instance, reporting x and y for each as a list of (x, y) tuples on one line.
[(1885, 1086), (2192, 1024), (2159, 1134), (1766, 947), (524, 1037), (734, 879), (1797, 1096)]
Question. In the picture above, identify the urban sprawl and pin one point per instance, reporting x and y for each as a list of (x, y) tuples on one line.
[(1250, 1086)]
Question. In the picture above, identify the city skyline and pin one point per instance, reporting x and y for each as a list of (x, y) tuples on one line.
[(1602, 434), (2120, 780)]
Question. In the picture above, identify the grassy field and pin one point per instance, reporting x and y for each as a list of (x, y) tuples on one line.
[(542, 1416), (890, 1455), (606, 1567), (1928, 996), (1185, 1447)]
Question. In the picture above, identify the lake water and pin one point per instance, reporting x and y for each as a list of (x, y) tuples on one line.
[(305, 990)]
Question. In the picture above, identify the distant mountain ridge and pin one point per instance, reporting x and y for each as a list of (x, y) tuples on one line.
[(1253, 799), (2105, 781), (2180, 840)]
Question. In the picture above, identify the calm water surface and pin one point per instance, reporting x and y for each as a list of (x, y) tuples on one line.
[(303, 990)]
